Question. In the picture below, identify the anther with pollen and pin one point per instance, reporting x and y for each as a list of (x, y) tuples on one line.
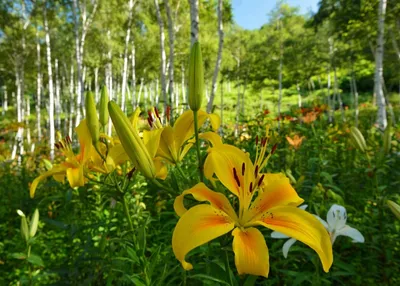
[(243, 168), (263, 142), (57, 146), (251, 187), (260, 181), (156, 111), (149, 121), (274, 149), (68, 139), (256, 171), (236, 177)]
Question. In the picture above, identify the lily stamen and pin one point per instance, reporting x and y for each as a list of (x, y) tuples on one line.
[(236, 177)]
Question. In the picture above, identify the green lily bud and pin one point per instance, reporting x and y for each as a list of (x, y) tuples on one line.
[(103, 106), (34, 223), (358, 139), (395, 208), (24, 226), (131, 141), (92, 121), (196, 78)]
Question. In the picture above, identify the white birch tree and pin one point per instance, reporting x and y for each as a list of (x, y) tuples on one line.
[(219, 57)]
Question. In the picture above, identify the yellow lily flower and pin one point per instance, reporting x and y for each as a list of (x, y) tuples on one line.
[(274, 207), (73, 167), (176, 141)]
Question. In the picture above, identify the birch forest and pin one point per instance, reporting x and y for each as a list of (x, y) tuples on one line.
[(158, 142)]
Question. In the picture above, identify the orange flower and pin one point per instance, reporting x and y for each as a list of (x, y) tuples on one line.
[(310, 117), (295, 141)]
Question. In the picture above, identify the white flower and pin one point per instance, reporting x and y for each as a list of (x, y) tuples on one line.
[(335, 225)]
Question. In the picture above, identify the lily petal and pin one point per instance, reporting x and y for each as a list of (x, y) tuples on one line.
[(197, 226), (251, 252), (75, 176), (215, 121), (222, 160), (203, 194), (350, 232), (211, 137), (116, 156), (336, 217), (151, 140), (85, 141), (277, 192), (161, 169), (55, 171), (287, 245), (300, 225), (324, 223), (167, 146)]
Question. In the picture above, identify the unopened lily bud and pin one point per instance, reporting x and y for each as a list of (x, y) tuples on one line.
[(131, 141), (358, 139), (103, 110), (24, 228), (92, 121), (395, 208), (196, 78), (34, 223)]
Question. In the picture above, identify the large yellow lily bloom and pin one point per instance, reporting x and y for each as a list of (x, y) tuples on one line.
[(274, 207), (175, 141), (73, 167)]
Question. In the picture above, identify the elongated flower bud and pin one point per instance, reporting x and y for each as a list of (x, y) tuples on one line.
[(103, 110), (92, 121), (34, 223), (24, 226), (358, 139), (196, 78), (131, 141), (395, 208)]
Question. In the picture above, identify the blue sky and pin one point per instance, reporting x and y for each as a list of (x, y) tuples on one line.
[(252, 14)]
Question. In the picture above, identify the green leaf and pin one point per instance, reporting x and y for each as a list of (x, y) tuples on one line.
[(201, 277), (18, 255), (35, 260)]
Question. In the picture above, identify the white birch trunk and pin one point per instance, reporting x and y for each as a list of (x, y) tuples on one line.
[(183, 86), (171, 34), (134, 104), (378, 90), (140, 91), (79, 86), (38, 88), (194, 21), (298, 95), (71, 102), (96, 83), (58, 99), (51, 91), (27, 115), (163, 57), (125, 69), (219, 57)]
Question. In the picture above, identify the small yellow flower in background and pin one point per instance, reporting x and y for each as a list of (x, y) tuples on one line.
[(274, 207), (310, 117), (74, 165), (175, 141), (295, 141)]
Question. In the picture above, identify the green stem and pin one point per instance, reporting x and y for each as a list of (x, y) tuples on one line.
[(128, 215), (158, 184), (180, 171), (227, 268), (196, 133)]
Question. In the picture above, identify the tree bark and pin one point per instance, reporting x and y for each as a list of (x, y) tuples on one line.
[(171, 37), (38, 88), (133, 74), (51, 91), (58, 99), (219, 57), (127, 37), (194, 21), (163, 58), (378, 90)]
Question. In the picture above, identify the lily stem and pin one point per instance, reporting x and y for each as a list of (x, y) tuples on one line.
[(196, 133), (127, 213), (158, 184), (227, 268)]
